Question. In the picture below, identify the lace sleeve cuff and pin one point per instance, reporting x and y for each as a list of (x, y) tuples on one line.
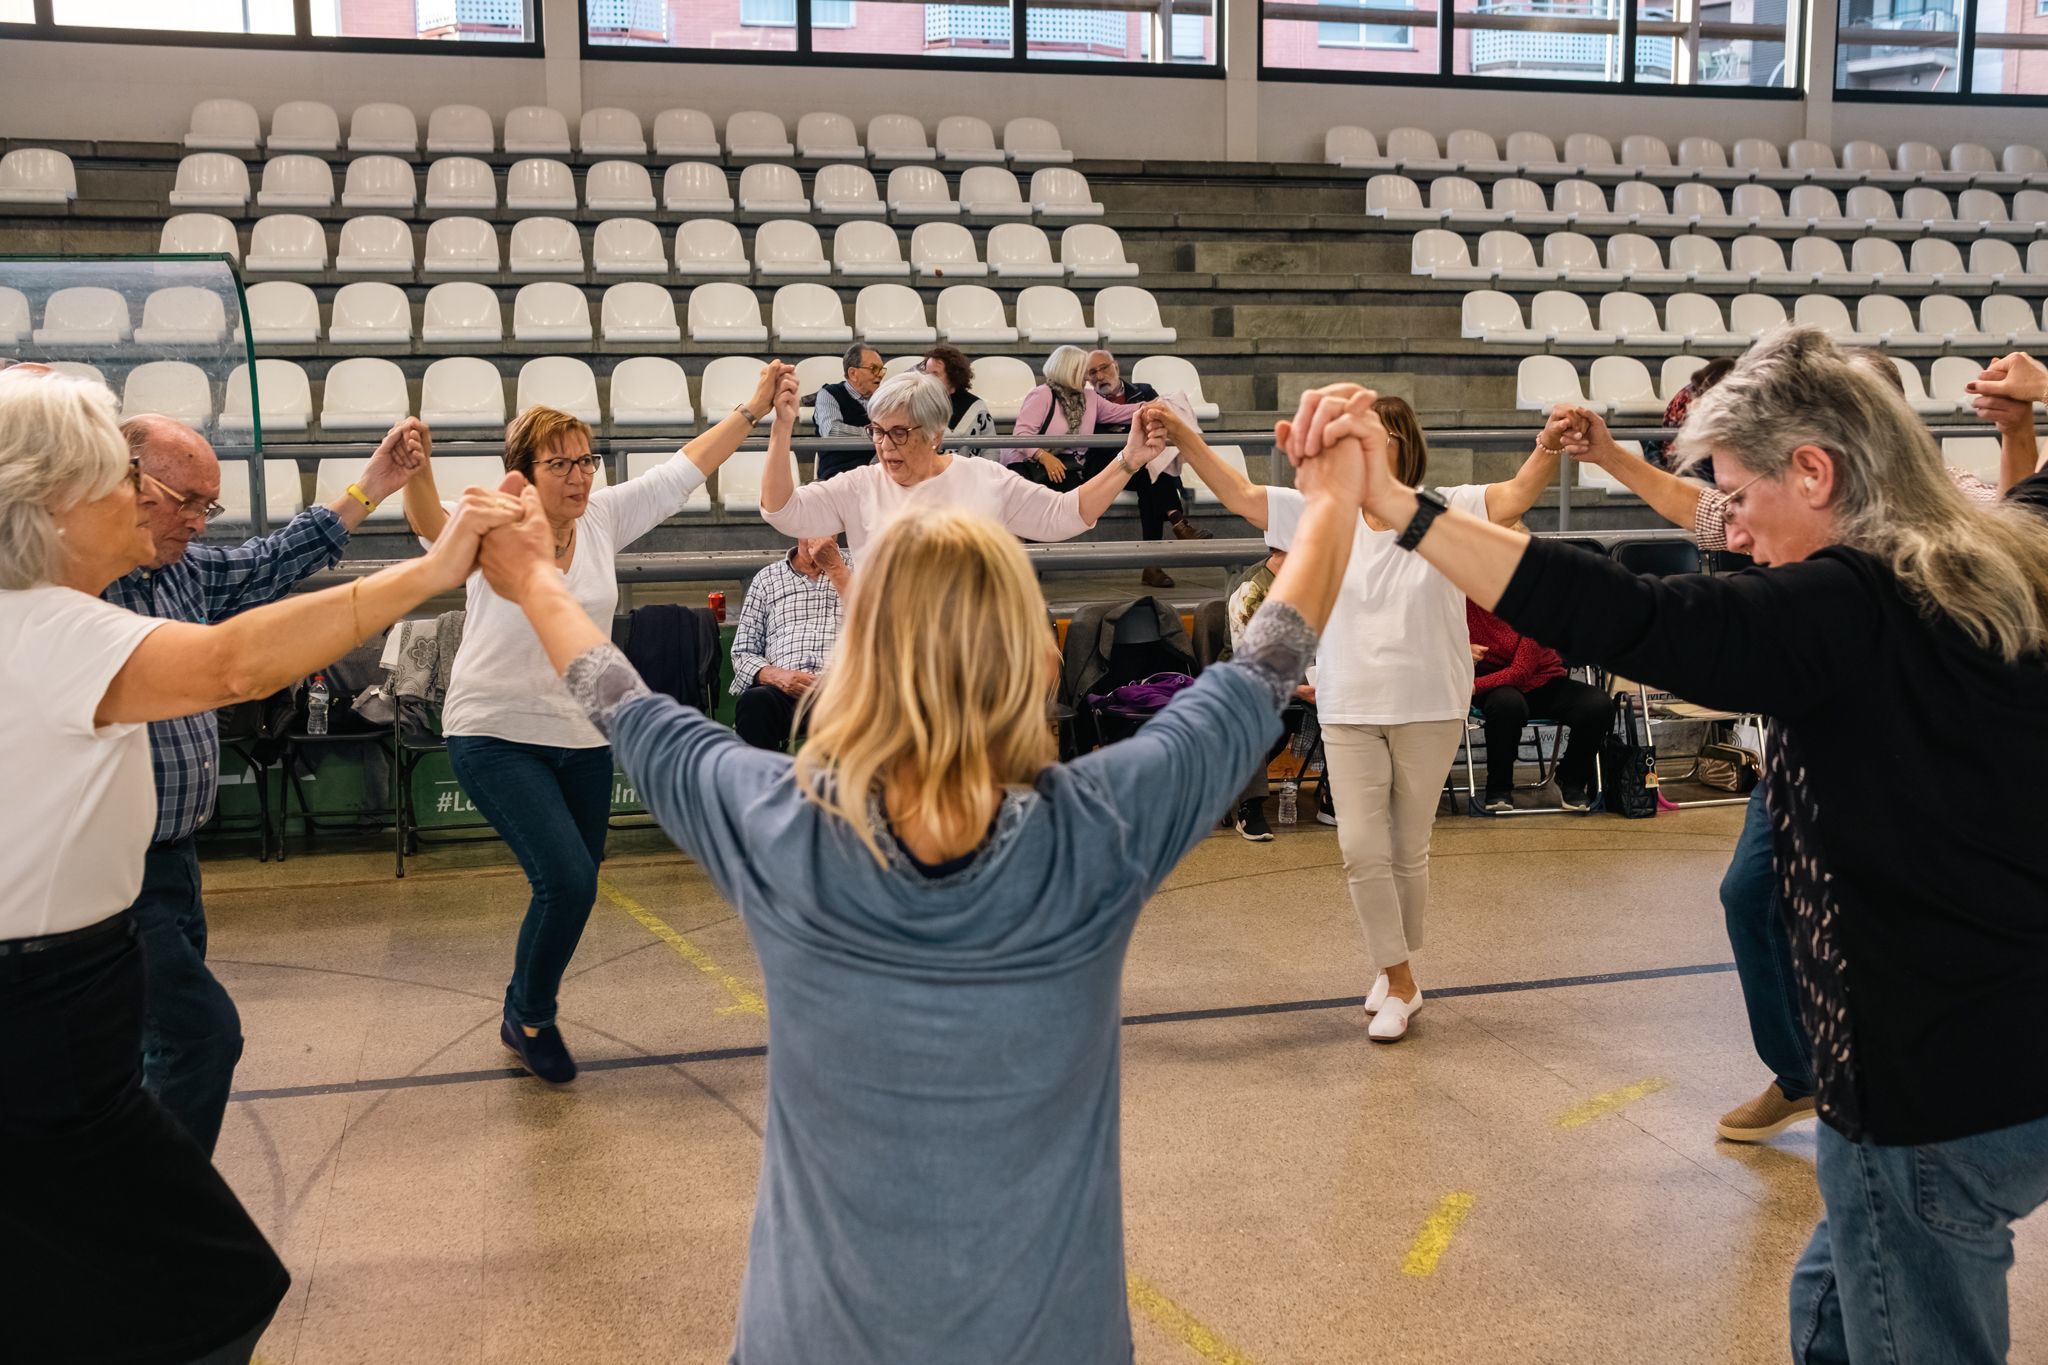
[(602, 681), (1275, 649)]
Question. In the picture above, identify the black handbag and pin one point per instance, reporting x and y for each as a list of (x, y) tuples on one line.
[(1628, 770)]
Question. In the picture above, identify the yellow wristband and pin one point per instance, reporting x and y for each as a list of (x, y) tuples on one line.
[(355, 490)]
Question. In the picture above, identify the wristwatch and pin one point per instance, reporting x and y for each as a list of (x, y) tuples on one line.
[(1428, 504)]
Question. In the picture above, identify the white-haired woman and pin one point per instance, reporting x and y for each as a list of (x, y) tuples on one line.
[(1898, 641), (941, 913), (127, 1245), (1065, 404), (908, 419)]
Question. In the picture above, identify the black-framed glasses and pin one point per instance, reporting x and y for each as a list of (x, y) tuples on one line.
[(560, 467), (895, 436), (188, 504)]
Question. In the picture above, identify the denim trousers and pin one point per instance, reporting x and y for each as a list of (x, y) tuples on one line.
[(1909, 1263), (1763, 954), (191, 1031), (551, 806)]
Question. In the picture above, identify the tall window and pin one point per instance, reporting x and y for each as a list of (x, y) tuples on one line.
[(1901, 46), (488, 21)]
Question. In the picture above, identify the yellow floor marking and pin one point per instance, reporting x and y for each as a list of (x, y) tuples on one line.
[(1435, 1237), (1192, 1333), (1600, 1105), (744, 999)]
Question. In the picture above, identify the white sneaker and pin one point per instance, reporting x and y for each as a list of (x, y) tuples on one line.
[(1377, 996), (1390, 1024)]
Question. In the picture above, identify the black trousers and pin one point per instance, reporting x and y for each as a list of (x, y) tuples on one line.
[(192, 1033), (765, 717), (1586, 712), (119, 1242), (1156, 497)]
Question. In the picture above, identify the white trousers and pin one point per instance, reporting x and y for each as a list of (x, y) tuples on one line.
[(1386, 781)]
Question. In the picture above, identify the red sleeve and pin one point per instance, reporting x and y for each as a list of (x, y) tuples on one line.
[(1531, 666)]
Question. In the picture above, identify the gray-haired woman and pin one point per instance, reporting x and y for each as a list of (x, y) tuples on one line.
[(908, 419), (129, 1246), (1897, 639)]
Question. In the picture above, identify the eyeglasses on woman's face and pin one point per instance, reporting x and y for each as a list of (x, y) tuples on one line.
[(895, 437), (560, 465)]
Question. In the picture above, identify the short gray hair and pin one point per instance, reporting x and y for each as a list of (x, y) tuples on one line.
[(60, 445), (1066, 367), (918, 394)]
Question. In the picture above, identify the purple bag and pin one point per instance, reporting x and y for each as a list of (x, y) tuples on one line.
[(1140, 701)]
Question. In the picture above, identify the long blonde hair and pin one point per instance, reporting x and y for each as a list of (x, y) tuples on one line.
[(938, 683), (1984, 567)]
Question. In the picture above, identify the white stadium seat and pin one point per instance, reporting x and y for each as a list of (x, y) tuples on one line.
[(841, 191), (813, 372), (224, 125), (1530, 152), (1354, 148), (868, 249), (650, 391), (1228, 454), (618, 187), (283, 398), (1632, 321), (1415, 151), (1398, 200), (545, 246), (1828, 313), (1020, 251), (462, 392), (176, 389), (286, 242), (1090, 251), (739, 478), (282, 498), (1442, 254), (564, 383), (710, 246), (1643, 152), (628, 246), (753, 133), (1762, 207), (1950, 379), (1924, 162), (725, 313), (1752, 315), (1582, 201), (920, 192), (1574, 258), (1870, 162), (1034, 141), (552, 310), (887, 314), (379, 182), (540, 183), (1759, 158), (296, 181), (1676, 373), (462, 312), (1868, 207), (1544, 381), (370, 312), (991, 192), (1588, 153), (363, 393), (1706, 158), (828, 137), (199, 234), (1049, 313), (1702, 206), (684, 132), (898, 137), (461, 182), (1931, 210), (1003, 381), (1878, 259), (1564, 319), (2028, 163), (639, 311), (1821, 260), (1491, 316), (945, 251), (1621, 385), (1062, 192), (1170, 374), (460, 128), (962, 137), (1999, 263), (332, 477), (1916, 391), (374, 245), (970, 313), (1948, 320), (1637, 259), (205, 179), (789, 246), (1509, 257), (1887, 320), (535, 130), (182, 315), (1475, 152), (304, 126), (608, 131), (727, 382), (769, 188), (384, 128), (809, 313), (695, 187), (283, 313), (84, 315), (1982, 211), (1697, 319), (1644, 205), (461, 246), (1701, 260), (1126, 313), (2010, 321), (1761, 261)]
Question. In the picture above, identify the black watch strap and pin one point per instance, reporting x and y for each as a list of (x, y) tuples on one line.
[(1428, 504)]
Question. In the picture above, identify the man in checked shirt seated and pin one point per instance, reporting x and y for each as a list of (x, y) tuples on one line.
[(192, 1033), (787, 625)]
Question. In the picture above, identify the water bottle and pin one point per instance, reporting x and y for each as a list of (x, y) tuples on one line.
[(317, 698), (1290, 795)]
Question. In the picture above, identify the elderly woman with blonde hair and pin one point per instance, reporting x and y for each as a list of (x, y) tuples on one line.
[(941, 912)]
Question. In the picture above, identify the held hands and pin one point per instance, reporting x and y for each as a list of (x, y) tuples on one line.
[(1147, 440), (2018, 377), (768, 392), (1584, 436), (480, 513), (1339, 447), (1171, 428), (405, 449)]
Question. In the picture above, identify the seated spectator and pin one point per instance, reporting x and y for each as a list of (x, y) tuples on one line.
[(1162, 502), (1658, 453), (971, 417), (786, 628), (1515, 679), (1063, 404), (842, 409)]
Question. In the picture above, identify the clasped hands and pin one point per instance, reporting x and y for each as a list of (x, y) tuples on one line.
[(2005, 393)]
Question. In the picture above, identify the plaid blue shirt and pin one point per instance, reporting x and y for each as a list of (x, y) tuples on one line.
[(787, 620), (210, 584)]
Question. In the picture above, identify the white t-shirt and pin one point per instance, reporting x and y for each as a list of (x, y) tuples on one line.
[(860, 501), (80, 800), (1395, 649), (502, 684)]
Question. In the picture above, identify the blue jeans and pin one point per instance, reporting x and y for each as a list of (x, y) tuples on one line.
[(551, 806), (1910, 1258), (1763, 955), (191, 1031)]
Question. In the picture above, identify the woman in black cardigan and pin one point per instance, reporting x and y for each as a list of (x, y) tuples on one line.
[(1898, 642)]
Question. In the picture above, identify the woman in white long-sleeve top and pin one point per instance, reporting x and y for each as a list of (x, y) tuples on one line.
[(909, 417), (941, 913)]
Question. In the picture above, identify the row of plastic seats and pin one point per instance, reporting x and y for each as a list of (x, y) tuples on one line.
[(1572, 258), (1620, 385), (1456, 200), (633, 246), (1471, 151), (1694, 321), (310, 126), (295, 180)]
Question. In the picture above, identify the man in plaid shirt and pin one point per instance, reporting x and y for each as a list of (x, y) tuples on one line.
[(192, 1034), (786, 628)]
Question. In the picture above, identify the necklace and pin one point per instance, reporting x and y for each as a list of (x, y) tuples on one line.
[(563, 547)]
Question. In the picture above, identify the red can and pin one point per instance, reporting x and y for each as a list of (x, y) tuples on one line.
[(716, 601)]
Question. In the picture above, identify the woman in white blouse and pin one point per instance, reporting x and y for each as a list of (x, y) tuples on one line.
[(908, 418), (132, 1247), (522, 750)]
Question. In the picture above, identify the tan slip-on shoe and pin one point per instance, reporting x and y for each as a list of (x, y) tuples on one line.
[(1764, 1117)]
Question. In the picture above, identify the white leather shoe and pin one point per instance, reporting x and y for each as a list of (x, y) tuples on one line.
[(1377, 996), (1390, 1024)]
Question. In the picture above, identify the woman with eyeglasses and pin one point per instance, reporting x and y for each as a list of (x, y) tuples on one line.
[(910, 417), (522, 750)]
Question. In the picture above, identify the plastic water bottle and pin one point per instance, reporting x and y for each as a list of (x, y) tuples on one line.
[(1290, 797), (318, 698)]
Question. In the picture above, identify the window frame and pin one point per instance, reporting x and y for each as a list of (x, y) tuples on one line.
[(1018, 62), (45, 28), (1966, 70)]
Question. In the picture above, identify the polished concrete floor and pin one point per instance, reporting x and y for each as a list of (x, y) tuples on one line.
[(1532, 1177)]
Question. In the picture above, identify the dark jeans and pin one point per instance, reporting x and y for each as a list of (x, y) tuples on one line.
[(1156, 497), (120, 1241), (1763, 954), (191, 1033), (765, 717), (832, 462), (551, 805), (1585, 711)]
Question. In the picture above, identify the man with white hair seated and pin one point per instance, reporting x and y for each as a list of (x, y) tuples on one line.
[(786, 629), (192, 1034)]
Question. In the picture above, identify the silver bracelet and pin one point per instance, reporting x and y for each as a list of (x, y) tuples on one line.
[(1123, 462), (752, 420)]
